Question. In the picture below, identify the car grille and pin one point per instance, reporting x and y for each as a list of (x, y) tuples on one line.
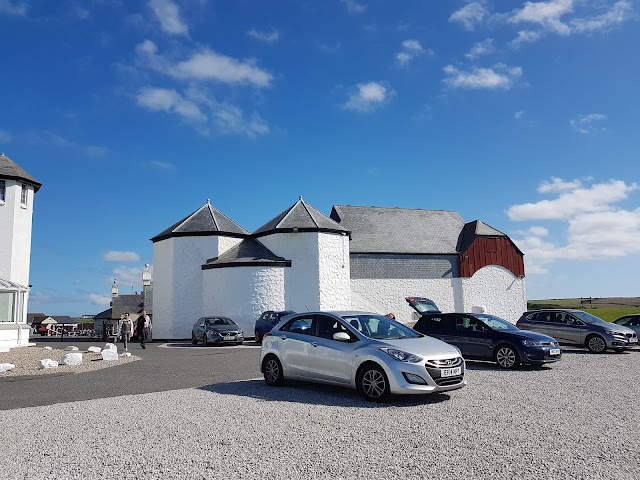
[(444, 363), (631, 335), (448, 381)]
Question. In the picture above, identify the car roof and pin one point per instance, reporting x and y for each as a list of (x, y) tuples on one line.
[(342, 313)]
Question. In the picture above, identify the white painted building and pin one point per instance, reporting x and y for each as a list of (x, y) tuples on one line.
[(17, 192), (365, 258)]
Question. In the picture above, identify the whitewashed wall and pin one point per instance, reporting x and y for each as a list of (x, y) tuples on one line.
[(334, 272), (388, 295), (177, 286), (243, 293), (15, 240), (502, 293)]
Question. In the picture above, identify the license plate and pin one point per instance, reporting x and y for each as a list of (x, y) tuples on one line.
[(554, 351), (229, 337), (633, 340), (450, 372)]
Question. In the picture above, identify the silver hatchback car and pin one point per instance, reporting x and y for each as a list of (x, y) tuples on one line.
[(367, 351), (575, 327)]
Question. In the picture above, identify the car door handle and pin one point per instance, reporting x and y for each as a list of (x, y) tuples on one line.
[(314, 344)]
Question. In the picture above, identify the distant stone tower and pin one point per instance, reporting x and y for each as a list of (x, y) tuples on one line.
[(17, 192)]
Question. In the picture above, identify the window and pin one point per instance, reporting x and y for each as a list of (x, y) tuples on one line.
[(298, 325), (3, 191), (6, 307), (23, 195), (327, 326)]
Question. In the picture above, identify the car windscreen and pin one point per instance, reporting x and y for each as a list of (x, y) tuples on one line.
[(587, 317), (496, 323), (212, 322), (424, 305), (380, 327)]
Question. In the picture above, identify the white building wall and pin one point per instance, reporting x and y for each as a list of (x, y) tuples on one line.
[(496, 288), (243, 293), (302, 282), (388, 295), (334, 272), (177, 288)]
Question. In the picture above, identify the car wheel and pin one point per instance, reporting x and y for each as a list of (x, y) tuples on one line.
[(507, 357), (205, 340), (273, 371), (373, 384), (258, 337), (596, 344), (194, 341)]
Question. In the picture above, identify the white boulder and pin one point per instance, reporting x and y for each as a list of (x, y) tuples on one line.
[(71, 348), (5, 367), (125, 354), (94, 349), (110, 346), (109, 354), (47, 363), (71, 358), (48, 348)]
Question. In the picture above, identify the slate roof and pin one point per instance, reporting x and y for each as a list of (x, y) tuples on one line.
[(134, 304), (475, 229), (10, 170), (300, 217), (9, 285), (203, 222), (400, 230), (105, 314), (249, 252)]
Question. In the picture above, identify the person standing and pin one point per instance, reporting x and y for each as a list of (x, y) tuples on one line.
[(125, 329), (143, 325)]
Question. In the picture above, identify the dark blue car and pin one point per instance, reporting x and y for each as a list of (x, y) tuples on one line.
[(267, 321), (486, 337)]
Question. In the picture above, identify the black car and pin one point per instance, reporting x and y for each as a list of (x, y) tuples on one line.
[(216, 330), (422, 304), (267, 321), (486, 337)]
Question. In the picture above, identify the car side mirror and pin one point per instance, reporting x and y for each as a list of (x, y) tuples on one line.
[(341, 336)]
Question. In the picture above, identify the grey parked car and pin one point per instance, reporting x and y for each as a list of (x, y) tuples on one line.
[(630, 321), (575, 327), (216, 330)]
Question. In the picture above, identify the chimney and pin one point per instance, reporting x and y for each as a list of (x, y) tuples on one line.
[(114, 289)]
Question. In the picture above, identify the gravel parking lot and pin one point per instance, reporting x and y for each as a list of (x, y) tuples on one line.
[(574, 419)]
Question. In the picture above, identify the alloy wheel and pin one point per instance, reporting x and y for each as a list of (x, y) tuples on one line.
[(374, 385), (596, 344), (506, 357)]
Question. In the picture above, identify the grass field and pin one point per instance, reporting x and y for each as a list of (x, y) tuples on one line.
[(607, 309)]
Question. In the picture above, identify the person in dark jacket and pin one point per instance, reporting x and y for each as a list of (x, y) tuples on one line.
[(142, 326)]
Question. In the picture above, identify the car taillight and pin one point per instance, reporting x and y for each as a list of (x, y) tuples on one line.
[(518, 324), (266, 335)]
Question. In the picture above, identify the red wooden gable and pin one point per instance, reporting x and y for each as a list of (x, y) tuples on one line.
[(485, 251)]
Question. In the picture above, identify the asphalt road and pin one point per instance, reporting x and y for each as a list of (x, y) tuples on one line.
[(163, 366)]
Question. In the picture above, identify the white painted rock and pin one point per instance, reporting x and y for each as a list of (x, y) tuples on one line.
[(109, 354), (47, 363), (5, 367), (110, 346), (94, 349), (72, 358), (48, 348), (125, 354), (71, 348)]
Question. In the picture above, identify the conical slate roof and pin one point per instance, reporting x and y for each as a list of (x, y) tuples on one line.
[(10, 170), (475, 229), (9, 285), (300, 217), (249, 252), (203, 222)]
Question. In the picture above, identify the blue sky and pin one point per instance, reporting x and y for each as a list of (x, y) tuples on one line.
[(133, 113)]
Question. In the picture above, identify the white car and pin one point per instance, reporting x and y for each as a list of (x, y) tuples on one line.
[(366, 351)]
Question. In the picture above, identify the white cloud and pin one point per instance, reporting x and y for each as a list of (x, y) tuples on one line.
[(518, 115), (366, 97), (205, 65), (99, 299), (545, 14), (569, 204), (16, 9), (558, 185), (166, 100), (485, 47), (620, 12), (525, 36), (595, 227), (410, 50), (230, 120), (5, 137), (127, 276), (117, 256), (161, 165), (266, 37), (500, 76), (168, 15), (354, 7), (470, 15), (585, 124), (49, 138)]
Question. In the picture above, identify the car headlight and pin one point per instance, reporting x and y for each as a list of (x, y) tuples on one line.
[(615, 333), (215, 332), (401, 356), (532, 343)]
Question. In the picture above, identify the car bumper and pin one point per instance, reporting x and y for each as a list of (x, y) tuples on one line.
[(412, 378), (540, 356), (620, 342), (225, 340)]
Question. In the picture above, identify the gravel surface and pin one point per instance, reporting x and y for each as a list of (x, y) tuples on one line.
[(575, 419), (26, 361)]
